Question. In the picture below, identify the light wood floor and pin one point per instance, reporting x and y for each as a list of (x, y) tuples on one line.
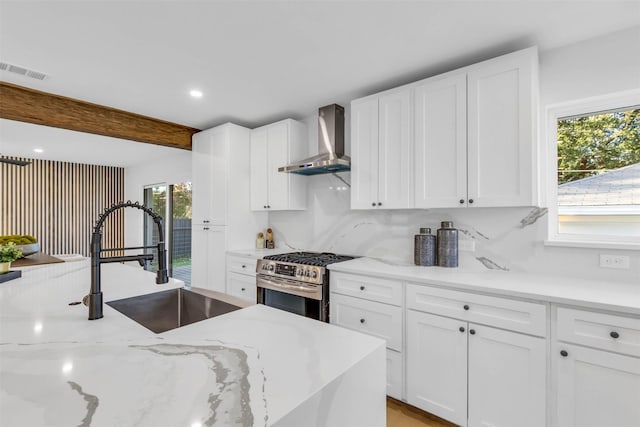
[(402, 415)]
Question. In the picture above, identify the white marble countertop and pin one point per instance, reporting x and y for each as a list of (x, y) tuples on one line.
[(620, 297), (259, 253), (249, 367)]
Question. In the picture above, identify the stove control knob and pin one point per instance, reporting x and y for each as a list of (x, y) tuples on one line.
[(270, 268), (314, 274)]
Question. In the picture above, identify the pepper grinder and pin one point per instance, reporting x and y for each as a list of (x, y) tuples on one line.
[(447, 245)]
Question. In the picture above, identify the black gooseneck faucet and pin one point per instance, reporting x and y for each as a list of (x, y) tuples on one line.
[(94, 299)]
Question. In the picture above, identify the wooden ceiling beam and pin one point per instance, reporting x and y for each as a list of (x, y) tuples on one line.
[(41, 108)]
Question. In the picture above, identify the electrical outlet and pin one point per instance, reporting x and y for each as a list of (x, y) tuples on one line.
[(614, 261), (466, 245)]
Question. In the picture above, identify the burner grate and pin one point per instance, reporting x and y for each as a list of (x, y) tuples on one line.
[(320, 259)]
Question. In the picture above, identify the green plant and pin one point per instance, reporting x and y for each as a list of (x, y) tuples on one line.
[(9, 252)]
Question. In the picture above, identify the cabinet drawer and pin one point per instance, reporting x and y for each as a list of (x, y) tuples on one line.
[(242, 286), (520, 316), (599, 330), (373, 318), (374, 289), (394, 374), (238, 264)]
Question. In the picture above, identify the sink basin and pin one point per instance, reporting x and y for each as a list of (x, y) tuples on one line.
[(166, 310)]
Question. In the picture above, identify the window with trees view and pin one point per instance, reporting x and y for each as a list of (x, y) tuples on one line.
[(598, 167)]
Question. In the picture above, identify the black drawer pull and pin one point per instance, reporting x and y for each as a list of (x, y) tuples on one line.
[(472, 331), (564, 353), (242, 289), (614, 334), (461, 201), (362, 288), (470, 200), (379, 203), (466, 307), (461, 329), (362, 320), (373, 203)]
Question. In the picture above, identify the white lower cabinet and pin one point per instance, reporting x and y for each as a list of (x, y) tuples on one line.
[(394, 374), (473, 374), (241, 277), (596, 369), (355, 304), (507, 378), (437, 365)]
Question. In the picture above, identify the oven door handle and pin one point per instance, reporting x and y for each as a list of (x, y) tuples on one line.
[(311, 291)]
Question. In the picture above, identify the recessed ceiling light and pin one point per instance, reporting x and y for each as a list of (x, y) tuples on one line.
[(195, 93), (38, 150)]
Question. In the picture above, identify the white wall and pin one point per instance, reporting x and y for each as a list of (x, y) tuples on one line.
[(174, 168), (512, 238)]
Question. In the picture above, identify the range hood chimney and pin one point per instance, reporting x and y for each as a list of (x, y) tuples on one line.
[(331, 157)]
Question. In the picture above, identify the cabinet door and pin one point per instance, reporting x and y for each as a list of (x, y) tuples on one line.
[(219, 168), (259, 175), (507, 378), (596, 388), (201, 177), (437, 365), (394, 374), (440, 142), (242, 286), (199, 255), (502, 126), (394, 151), (364, 153), (278, 135)]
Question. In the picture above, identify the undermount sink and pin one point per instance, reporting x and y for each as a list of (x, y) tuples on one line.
[(166, 310)]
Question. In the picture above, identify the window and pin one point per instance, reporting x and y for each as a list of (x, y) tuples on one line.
[(594, 195)]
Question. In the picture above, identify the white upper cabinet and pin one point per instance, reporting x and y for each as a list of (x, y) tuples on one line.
[(462, 139), (502, 130), (440, 138), (201, 177), (381, 151), (274, 146)]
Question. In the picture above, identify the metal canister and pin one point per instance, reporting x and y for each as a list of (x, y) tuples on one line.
[(424, 251), (447, 245)]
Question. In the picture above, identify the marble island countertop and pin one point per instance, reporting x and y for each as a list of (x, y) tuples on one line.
[(257, 366), (597, 294)]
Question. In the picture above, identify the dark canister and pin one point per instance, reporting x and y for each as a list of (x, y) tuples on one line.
[(447, 245), (424, 251)]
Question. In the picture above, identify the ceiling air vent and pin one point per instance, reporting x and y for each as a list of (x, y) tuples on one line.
[(22, 71)]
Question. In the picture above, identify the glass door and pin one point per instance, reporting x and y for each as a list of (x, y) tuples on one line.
[(175, 210)]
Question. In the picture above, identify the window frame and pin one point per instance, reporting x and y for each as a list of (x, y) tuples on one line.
[(586, 106)]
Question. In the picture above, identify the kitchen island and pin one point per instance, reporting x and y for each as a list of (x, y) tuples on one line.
[(257, 366)]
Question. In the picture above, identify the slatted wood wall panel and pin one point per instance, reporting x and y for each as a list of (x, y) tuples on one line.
[(59, 202)]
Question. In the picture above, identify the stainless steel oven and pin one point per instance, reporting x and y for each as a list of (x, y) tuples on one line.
[(296, 282)]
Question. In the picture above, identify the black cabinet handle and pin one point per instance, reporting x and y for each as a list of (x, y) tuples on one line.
[(472, 331), (362, 288), (379, 203), (466, 307), (461, 329), (206, 221), (205, 228), (362, 320), (564, 353), (242, 289), (470, 200), (614, 334), (461, 201), (244, 266), (268, 206), (373, 203), (265, 206)]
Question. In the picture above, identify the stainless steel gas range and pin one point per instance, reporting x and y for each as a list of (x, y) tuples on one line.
[(297, 282)]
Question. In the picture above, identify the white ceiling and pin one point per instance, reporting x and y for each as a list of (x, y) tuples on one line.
[(261, 61)]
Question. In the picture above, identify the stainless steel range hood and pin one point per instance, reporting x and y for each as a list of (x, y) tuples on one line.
[(330, 157)]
